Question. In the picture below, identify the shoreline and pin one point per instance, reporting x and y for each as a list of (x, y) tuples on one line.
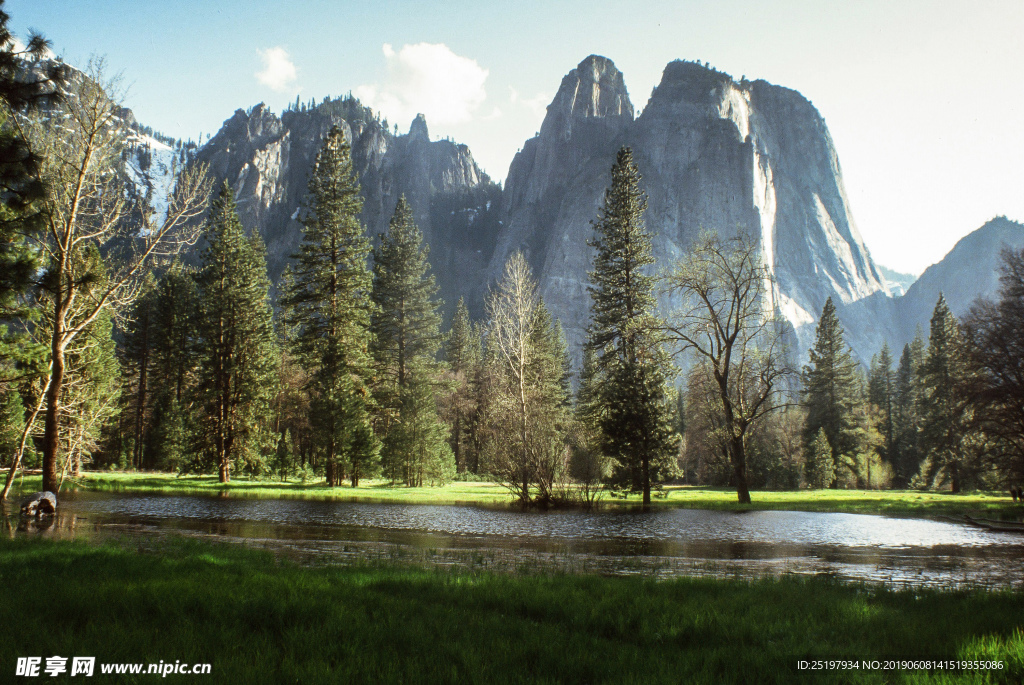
[(903, 503)]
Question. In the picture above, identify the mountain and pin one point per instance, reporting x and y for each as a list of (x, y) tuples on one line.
[(267, 160), (969, 271), (715, 154), (897, 281)]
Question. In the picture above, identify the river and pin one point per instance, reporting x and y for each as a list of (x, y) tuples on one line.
[(660, 543)]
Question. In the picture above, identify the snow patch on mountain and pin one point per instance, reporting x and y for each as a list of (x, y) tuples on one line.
[(151, 167)]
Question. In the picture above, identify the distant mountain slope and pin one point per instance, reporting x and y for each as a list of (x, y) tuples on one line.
[(969, 271), (897, 281)]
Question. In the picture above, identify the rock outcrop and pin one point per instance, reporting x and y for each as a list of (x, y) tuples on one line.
[(715, 154), (267, 160), (39, 504)]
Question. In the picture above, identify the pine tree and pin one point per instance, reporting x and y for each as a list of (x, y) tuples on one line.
[(635, 426), (12, 422), (173, 369), (881, 392), (463, 354), (327, 298), (549, 373), (995, 335), (906, 457), (137, 350), (820, 468), (831, 391), (406, 340), (23, 186), (237, 346), (945, 405), (588, 465)]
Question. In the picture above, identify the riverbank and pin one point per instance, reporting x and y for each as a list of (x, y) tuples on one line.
[(258, 619), (890, 502)]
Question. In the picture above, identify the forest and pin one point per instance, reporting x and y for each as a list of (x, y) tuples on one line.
[(144, 340)]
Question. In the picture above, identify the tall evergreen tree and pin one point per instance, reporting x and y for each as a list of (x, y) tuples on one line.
[(463, 354), (881, 393), (635, 427), (406, 340), (172, 370), (945, 402), (237, 346), (831, 391), (820, 467), (549, 374), (995, 331), (327, 298), (905, 419), (22, 187)]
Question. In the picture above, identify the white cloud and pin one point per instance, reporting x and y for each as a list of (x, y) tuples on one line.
[(279, 72), (427, 78), (537, 105)]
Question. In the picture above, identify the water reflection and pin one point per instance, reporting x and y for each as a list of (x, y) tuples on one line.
[(662, 543)]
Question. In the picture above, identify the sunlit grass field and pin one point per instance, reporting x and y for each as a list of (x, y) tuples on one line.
[(895, 502), (259, 619)]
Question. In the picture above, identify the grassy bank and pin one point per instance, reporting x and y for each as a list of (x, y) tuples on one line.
[(894, 502), (257, 619)]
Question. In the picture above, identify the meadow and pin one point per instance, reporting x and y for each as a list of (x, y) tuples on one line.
[(257, 618)]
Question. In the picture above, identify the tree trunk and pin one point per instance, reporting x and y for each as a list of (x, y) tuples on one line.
[(739, 462), (457, 432), (51, 435), (16, 462), (225, 474), (140, 410), (645, 475)]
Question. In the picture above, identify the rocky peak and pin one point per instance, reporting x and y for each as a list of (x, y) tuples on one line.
[(691, 82), (595, 89), (267, 160), (418, 129)]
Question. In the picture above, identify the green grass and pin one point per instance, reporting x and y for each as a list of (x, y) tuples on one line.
[(893, 502), (258, 619)]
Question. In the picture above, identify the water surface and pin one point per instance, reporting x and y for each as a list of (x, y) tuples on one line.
[(664, 542)]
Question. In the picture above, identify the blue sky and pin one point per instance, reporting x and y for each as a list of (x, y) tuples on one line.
[(921, 96)]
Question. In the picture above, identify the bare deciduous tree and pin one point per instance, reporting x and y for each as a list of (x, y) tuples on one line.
[(512, 309), (531, 406), (81, 144), (724, 319)]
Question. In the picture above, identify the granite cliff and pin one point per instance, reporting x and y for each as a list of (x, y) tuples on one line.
[(715, 154), (267, 160)]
